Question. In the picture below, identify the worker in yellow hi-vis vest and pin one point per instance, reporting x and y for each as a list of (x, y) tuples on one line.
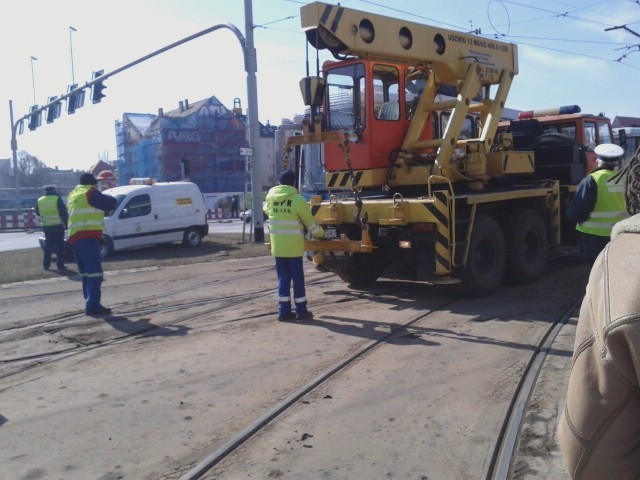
[(599, 203), (289, 214), (87, 207), (53, 219)]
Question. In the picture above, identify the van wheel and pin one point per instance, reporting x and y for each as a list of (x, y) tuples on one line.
[(106, 247), (192, 237)]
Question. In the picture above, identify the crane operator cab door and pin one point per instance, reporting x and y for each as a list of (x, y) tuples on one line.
[(372, 103)]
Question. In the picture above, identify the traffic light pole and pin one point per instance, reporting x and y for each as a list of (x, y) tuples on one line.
[(254, 126), (249, 54)]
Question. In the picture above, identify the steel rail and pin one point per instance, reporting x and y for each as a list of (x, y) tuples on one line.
[(250, 430), (503, 453)]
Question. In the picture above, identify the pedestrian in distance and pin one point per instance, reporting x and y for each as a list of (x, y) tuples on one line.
[(53, 218), (235, 201), (599, 429), (598, 202), (288, 214), (87, 206)]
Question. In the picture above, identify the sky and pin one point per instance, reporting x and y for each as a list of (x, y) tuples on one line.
[(584, 52)]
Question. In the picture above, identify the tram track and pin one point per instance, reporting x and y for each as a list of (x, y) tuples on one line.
[(245, 379), (504, 452), (213, 306), (502, 459), (246, 433), (138, 285)]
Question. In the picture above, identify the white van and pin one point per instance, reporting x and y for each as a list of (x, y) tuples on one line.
[(155, 213)]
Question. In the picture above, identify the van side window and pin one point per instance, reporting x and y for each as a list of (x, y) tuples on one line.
[(137, 206)]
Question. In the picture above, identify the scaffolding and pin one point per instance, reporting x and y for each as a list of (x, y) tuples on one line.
[(199, 142)]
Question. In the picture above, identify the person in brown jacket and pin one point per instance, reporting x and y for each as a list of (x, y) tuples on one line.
[(599, 429)]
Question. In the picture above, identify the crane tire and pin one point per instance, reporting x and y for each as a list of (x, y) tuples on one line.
[(484, 269), (363, 268), (527, 246)]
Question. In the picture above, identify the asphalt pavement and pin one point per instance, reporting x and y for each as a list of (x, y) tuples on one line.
[(24, 239)]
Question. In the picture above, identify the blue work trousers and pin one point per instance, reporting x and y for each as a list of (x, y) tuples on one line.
[(53, 243), (590, 246), (87, 253), (290, 270)]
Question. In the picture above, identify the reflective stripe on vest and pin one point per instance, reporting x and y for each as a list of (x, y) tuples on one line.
[(610, 206), (83, 216), (48, 210), (285, 227)]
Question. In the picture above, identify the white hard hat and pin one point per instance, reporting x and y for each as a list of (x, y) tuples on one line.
[(609, 152)]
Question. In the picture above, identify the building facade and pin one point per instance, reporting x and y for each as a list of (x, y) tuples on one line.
[(199, 142)]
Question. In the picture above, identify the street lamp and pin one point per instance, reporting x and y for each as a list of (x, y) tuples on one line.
[(72, 29), (33, 79)]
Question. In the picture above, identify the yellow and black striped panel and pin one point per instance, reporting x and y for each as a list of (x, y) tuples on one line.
[(343, 179), (440, 211), (374, 177)]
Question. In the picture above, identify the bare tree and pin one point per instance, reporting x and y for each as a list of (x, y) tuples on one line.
[(104, 156), (32, 171)]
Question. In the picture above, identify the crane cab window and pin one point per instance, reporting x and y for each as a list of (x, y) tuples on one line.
[(414, 85), (589, 133), (386, 98), (604, 134), (468, 128), (346, 97), (568, 129)]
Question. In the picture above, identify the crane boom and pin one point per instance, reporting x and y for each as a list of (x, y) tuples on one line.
[(447, 52)]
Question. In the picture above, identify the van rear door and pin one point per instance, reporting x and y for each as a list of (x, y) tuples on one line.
[(174, 209)]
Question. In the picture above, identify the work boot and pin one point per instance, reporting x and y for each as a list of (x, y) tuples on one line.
[(98, 311), (286, 317), (304, 316)]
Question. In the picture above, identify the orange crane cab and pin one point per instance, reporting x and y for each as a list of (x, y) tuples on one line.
[(373, 102)]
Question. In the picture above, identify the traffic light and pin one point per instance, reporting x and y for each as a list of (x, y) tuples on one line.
[(35, 119), (97, 88), (76, 100), (54, 109)]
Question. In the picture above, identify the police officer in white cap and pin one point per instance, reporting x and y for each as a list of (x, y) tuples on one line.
[(599, 202)]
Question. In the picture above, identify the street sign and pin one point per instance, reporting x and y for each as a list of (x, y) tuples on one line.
[(246, 152)]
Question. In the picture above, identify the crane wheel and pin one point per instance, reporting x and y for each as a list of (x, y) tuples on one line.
[(484, 270), (363, 268), (527, 246)]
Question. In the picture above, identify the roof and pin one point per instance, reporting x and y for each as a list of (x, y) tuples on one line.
[(140, 121), (100, 166), (625, 122), (186, 109)]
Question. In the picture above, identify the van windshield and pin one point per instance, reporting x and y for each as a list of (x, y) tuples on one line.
[(119, 198)]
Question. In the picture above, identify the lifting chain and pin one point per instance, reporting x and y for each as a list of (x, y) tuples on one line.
[(360, 221), (286, 150)]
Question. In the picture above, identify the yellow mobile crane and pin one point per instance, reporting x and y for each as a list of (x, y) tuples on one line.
[(408, 122)]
